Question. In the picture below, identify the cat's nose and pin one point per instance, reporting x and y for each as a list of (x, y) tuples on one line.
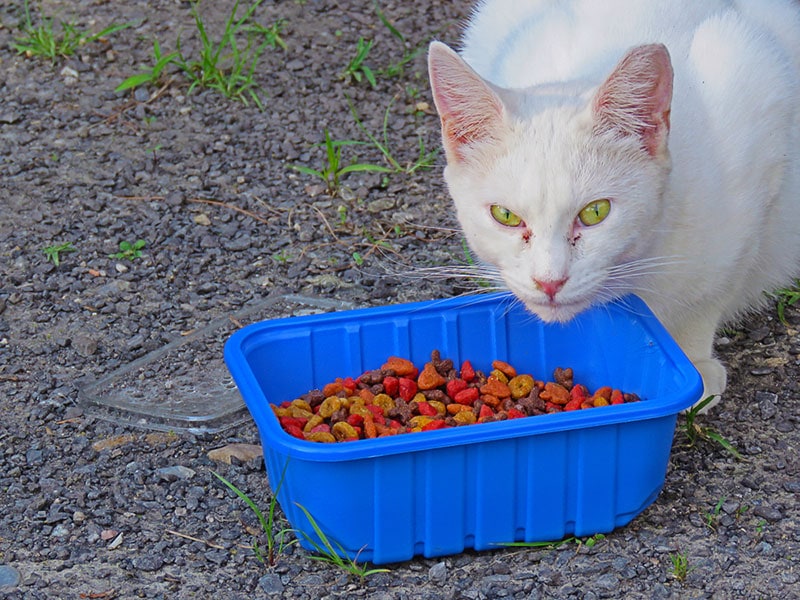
[(550, 288)]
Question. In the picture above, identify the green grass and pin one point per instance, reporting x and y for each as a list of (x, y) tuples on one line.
[(53, 253), (276, 540), (425, 159), (588, 542), (227, 64), (327, 553), (680, 566), (44, 40), (357, 69), (695, 432)]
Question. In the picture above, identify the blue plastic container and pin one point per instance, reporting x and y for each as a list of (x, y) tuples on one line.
[(439, 492)]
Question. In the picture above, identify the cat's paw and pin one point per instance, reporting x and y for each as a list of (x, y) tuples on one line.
[(715, 378)]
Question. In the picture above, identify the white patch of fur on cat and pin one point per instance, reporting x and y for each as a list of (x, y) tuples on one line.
[(596, 149)]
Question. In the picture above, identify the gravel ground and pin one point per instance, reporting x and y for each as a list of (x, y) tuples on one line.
[(107, 495)]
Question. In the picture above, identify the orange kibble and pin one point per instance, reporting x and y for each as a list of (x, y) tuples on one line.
[(370, 430), (495, 387), (333, 388), (490, 400), (505, 368), (401, 366), (430, 378), (555, 393), (366, 395), (455, 408)]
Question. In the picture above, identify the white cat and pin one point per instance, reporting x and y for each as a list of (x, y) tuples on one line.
[(603, 147)]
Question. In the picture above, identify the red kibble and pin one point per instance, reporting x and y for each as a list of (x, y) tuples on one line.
[(617, 397), (391, 385), (467, 372), (454, 386), (486, 411), (407, 389), (513, 413), (298, 422), (355, 420), (294, 431), (435, 424), (321, 427), (426, 409), (467, 396)]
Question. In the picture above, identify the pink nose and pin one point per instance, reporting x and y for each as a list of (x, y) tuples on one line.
[(550, 288)]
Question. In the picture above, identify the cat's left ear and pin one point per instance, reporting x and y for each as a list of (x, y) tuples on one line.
[(635, 100)]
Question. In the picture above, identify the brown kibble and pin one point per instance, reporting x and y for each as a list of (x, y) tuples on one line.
[(563, 377)]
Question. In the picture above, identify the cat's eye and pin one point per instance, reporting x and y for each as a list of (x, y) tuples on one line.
[(504, 216), (594, 212)]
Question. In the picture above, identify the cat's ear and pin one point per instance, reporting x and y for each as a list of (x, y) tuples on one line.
[(635, 100), (471, 112)]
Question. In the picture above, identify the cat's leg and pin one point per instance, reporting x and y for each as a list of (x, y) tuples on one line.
[(696, 338)]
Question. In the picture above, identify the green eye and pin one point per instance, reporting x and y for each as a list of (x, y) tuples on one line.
[(504, 216), (594, 212)]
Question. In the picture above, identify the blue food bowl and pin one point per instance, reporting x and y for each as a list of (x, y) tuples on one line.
[(436, 493)]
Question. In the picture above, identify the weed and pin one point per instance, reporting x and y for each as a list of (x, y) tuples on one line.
[(695, 432), (332, 172), (356, 69), (680, 566), (424, 160), (281, 257), (787, 297), (43, 41), (761, 525), (275, 542), (327, 553), (53, 253), (128, 251)]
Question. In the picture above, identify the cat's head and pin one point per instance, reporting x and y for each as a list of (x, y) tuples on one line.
[(558, 189)]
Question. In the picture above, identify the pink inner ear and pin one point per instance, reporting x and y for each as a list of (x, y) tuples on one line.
[(470, 111), (636, 97)]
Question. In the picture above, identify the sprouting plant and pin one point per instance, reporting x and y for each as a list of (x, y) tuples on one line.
[(334, 169), (327, 553), (53, 253), (150, 75), (281, 257), (129, 251), (276, 542), (424, 160), (680, 565), (713, 515), (43, 40), (787, 297), (356, 69), (695, 432)]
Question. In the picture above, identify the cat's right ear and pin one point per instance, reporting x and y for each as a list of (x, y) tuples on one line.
[(472, 114)]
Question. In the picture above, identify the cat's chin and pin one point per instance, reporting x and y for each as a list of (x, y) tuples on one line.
[(556, 312)]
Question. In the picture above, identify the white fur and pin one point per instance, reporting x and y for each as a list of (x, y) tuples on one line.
[(699, 233)]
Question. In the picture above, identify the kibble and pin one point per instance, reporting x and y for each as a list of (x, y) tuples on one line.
[(401, 398)]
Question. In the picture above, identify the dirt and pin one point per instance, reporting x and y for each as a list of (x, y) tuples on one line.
[(108, 497)]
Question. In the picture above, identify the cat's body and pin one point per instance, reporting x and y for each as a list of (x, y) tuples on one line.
[(628, 146)]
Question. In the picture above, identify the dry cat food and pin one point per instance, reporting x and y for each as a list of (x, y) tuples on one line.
[(399, 398)]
